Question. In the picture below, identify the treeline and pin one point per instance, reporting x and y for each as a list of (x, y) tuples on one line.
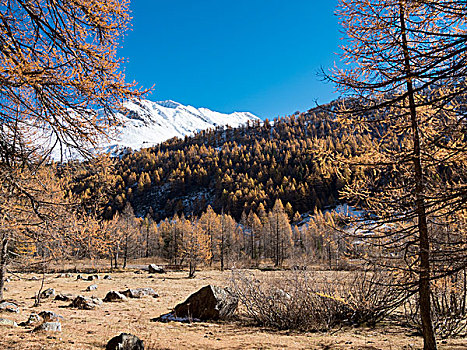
[(215, 240), (232, 170)]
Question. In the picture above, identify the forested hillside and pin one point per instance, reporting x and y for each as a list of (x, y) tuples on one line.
[(233, 170)]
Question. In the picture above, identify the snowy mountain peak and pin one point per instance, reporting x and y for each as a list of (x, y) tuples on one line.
[(147, 123)]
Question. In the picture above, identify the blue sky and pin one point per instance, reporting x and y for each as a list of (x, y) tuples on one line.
[(261, 56)]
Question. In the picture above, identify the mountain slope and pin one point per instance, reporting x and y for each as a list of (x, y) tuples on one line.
[(147, 123)]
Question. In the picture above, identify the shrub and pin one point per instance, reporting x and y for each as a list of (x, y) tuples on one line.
[(314, 301)]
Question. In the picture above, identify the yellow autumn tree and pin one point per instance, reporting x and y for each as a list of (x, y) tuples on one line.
[(196, 245)]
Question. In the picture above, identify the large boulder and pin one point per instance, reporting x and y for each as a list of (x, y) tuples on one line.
[(6, 306), (7, 322), (125, 341), (55, 326), (139, 292), (153, 268), (86, 303), (209, 303), (114, 296)]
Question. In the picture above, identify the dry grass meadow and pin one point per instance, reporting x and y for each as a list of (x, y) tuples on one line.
[(91, 329)]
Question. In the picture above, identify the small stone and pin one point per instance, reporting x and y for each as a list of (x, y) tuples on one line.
[(107, 277), (125, 341), (49, 292), (9, 307), (93, 277), (114, 296), (7, 322), (34, 278), (50, 316), (86, 303), (153, 268), (91, 288), (7, 280), (79, 277), (64, 297), (49, 327), (139, 292), (33, 320)]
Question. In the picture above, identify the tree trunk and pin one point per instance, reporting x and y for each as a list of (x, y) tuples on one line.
[(429, 341), (222, 251), (125, 252), (147, 242), (3, 258)]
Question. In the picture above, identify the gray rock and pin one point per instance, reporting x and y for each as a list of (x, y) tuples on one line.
[(93, 277), (114, 296), (34, 278), (209, 303), (7, 322), (33, 320), (107, 277), (7, 280), (8, 307), (49, 292), (125, 341), (50, 316), (79, 277), (153, 268), (86, 303), (91, 288), (49, 327), (139, 292)]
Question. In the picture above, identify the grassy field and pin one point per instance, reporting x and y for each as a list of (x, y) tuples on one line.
[(91, 329)]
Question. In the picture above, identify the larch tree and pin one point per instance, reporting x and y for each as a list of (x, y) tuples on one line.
[(196, 245), (280, 233), (60, 85), (406, 74)]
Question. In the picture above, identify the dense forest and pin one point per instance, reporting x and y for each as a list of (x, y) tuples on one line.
[(232, 170)]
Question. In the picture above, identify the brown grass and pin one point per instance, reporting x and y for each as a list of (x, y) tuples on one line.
[(92, 329)]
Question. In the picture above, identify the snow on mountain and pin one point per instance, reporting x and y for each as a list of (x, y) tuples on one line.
[(146, 123)]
